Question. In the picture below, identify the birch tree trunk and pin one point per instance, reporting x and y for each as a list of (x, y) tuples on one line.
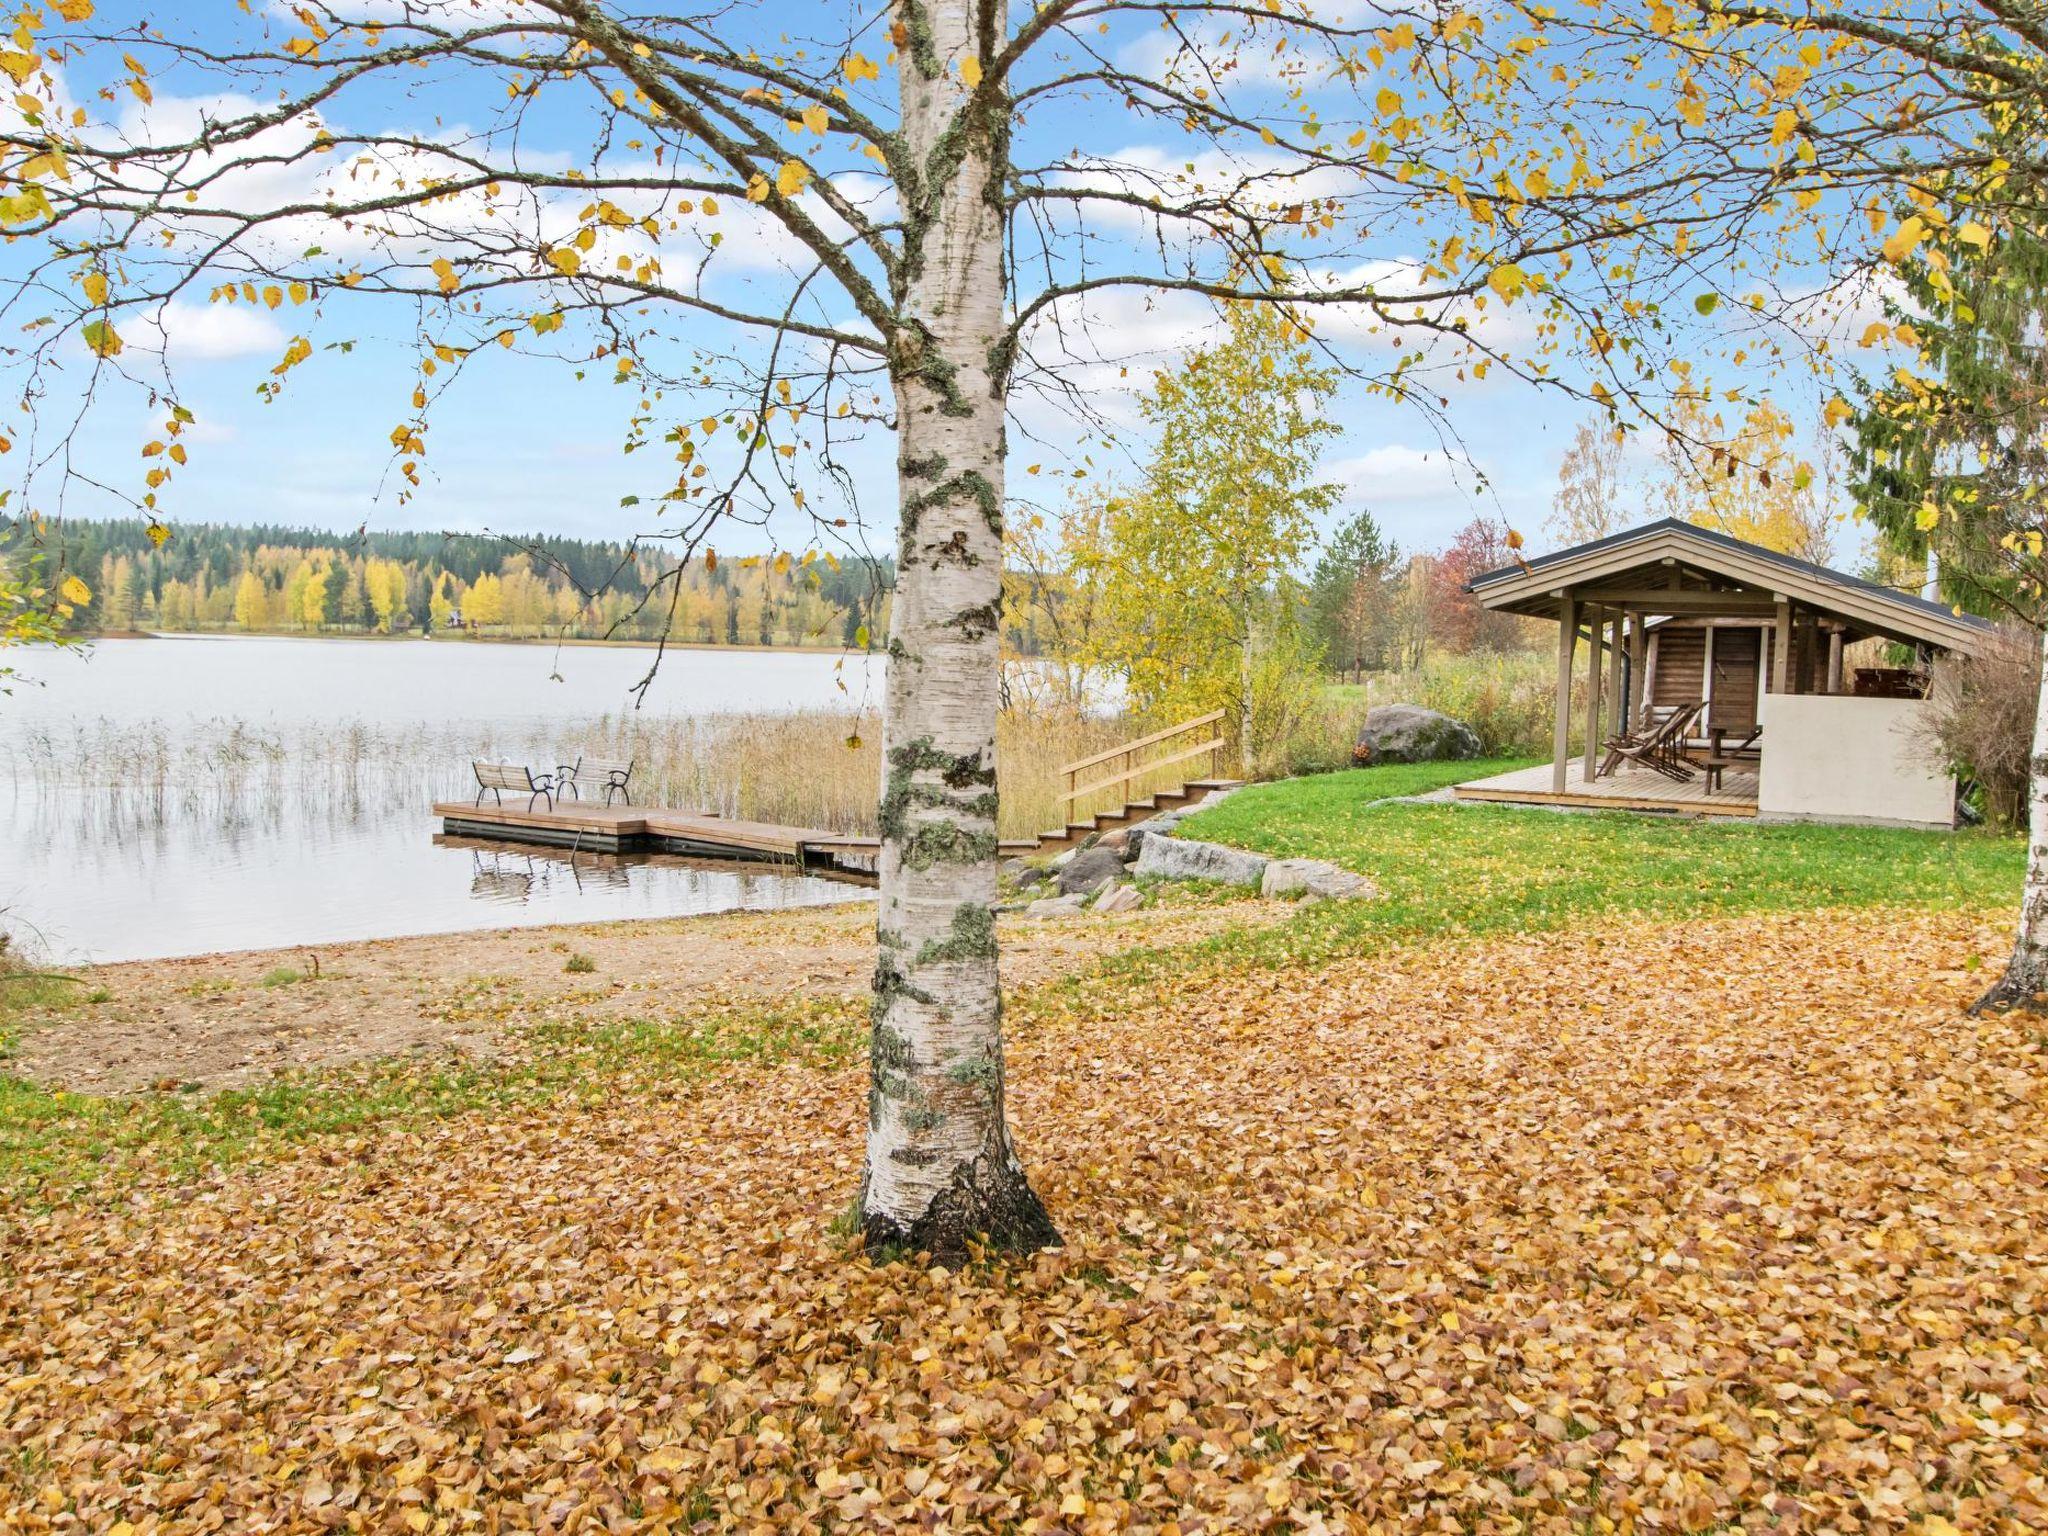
[(940, 1167), (2025, 982)]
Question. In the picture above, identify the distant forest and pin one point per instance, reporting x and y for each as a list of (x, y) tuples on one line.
[(267, 580)]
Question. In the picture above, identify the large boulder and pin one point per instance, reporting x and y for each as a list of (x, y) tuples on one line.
[(1175, 858), (1091, 869), (1118, 898), (1055, 906), (1315, 877), (1408, 733)]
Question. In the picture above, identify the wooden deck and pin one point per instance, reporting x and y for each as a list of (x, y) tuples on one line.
[(649, 829), (1627, 789)]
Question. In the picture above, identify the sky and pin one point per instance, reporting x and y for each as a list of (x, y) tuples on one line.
[(517, 444)]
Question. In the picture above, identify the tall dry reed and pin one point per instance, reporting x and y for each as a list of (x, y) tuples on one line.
[(817, 768)]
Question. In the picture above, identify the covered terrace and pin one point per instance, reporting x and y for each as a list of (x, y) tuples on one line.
[(1727, 679)]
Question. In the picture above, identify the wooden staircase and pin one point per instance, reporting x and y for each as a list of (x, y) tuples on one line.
[(1132, 764)]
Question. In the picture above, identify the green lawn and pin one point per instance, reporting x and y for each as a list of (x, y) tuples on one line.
[(1483, 868), (1444, 870)]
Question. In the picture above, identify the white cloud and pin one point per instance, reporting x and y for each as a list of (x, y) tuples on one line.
[(186, 332), (1216, 54), (1396, 475)]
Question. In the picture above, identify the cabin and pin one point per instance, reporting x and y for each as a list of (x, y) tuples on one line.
[(1724, 679)]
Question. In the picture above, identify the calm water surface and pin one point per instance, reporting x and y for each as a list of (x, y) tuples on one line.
[(90, 873)]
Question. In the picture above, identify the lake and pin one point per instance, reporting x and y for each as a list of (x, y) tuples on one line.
[(187, 794)]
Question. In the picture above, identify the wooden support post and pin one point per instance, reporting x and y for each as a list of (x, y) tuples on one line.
[(1592, 691), (1561, 732), (1781, 649), (1638, 669), (1835, 660), (1616, 719)]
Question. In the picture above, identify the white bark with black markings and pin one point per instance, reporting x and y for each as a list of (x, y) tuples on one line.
[(941, 1171), (2025, 982)]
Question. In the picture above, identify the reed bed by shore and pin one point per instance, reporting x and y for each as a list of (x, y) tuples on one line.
[(814, 768)]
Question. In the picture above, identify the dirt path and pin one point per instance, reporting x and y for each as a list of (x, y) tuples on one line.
[(220, 1021)]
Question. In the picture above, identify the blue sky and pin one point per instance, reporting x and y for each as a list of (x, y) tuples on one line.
[(518, 445)]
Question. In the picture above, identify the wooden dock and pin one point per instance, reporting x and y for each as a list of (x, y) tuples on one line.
[(647, 829)]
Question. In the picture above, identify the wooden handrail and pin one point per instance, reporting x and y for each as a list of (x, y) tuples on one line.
[(1215, 744), (1144, 741)]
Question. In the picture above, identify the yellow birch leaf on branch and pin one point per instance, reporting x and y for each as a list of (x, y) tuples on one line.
[(790, 179), (1901, 242), (1973, 233), (73, 10), (102, 338), (75, 591), (970, 71), (816, 119), (565, 261), (25, 206), (95, 286)]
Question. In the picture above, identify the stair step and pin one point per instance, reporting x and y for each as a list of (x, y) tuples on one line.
[(1208, 784)]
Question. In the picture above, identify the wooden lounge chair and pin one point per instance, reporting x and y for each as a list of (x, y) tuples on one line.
[(606, 775), (1660, 748), (495, 778)]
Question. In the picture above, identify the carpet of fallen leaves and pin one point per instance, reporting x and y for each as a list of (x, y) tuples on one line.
[(1728, 1225)]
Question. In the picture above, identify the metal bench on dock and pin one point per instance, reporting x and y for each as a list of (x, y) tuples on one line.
[(494, 779), (605, 776)]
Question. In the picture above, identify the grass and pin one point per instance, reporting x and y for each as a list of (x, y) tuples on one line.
[(1445, 871), (1476, 869), (55, 1144)]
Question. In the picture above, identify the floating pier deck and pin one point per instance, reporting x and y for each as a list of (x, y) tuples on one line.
[(645, 829)]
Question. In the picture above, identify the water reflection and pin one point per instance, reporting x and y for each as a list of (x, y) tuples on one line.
[(87, 876), (516, 874), (173, 797)]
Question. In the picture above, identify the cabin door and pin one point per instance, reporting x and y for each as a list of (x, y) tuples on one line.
[(1737, 655)]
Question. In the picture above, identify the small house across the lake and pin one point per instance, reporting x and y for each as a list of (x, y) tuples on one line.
[(1727, 679)]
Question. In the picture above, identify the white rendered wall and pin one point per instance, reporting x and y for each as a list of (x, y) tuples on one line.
[(1833, 757)]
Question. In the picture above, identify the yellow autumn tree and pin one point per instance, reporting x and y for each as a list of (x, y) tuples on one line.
[(251, 609), (1199, 607), (484, 603), (1745, 479)]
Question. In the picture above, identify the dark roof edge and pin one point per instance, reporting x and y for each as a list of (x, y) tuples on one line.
[(1713, 536)]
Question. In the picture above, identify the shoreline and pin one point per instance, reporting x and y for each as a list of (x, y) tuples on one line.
[(240, 1018), (303, 947), (417, 638)]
